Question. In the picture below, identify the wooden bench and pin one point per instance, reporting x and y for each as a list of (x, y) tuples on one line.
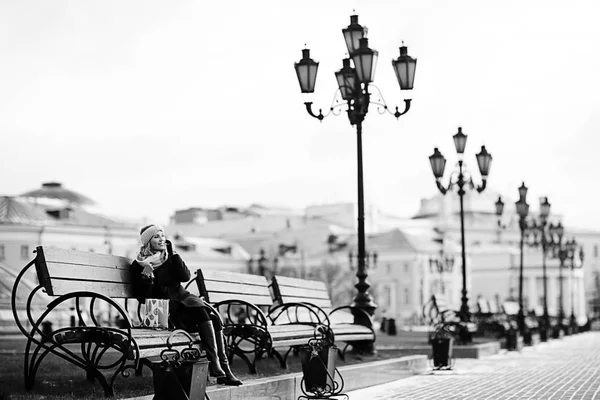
[(437, 312), (244, 303), (292, 295), (491, 320), (88, 283)]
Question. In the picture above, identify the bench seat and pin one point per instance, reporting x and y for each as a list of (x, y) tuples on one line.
[(148, 342)]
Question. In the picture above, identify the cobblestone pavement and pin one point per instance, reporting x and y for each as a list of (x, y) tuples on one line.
[(560, 369)]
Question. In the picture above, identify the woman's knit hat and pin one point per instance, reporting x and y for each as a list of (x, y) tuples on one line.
[(148, 232)]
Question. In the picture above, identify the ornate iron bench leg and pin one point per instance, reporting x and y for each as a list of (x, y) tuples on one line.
[(140, 366), (342, 352), (241, 354), (282, 359)]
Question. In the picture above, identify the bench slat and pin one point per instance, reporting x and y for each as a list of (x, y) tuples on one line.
[(88, 273), (233, 277), (304, 292), (235, 288), (301, 283), (85, 258), (324, 304), (115, 290), (260, 301)]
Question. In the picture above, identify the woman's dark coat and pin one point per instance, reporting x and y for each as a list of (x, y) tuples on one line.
[(166, 285)]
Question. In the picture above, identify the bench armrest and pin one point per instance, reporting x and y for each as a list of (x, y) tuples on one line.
[(289, 313), (352, 309), (240, 310)]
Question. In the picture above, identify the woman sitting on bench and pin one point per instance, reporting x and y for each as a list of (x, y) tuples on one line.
[(158, 273)]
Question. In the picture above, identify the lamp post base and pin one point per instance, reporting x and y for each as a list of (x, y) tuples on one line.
[(574, 328), (543, 334), (362, 316)]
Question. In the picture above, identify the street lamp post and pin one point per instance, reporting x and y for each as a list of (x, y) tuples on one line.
[(522, 210), (356, 92), (571, 254), (543, 236), (461, 178), (560, 252)]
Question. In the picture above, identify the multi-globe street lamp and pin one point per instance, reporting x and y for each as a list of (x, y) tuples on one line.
[(460, 178), (355, 93), (442, 264), (549, 238)]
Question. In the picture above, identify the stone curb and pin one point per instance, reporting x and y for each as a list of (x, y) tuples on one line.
[(470, 351), (355, 377)]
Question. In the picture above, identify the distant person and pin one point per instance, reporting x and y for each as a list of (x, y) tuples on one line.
[(158, 273)]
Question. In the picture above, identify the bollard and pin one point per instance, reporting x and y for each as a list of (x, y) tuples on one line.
[(46, 331)]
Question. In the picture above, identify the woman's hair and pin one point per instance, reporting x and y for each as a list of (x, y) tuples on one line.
[(146, 250)]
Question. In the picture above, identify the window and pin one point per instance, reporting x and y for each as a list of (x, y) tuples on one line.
[(2, 252), (406, 268), (595, 251), (387, 296), (406, 296), (24, 251)]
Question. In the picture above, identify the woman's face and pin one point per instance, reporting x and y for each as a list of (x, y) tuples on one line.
[(157, 243)]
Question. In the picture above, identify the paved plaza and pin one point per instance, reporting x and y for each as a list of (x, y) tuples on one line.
[(560, 369)]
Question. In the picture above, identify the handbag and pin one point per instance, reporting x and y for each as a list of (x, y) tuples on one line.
[(155, 314), (180, 375)]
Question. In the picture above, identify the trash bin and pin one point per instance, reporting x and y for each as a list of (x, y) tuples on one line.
[(318, 366), (512, 339), (391, 327), (441, 348), (384, 323), (180, 375)]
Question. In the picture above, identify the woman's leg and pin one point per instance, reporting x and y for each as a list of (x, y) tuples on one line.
[(198, 320), (229, 378)]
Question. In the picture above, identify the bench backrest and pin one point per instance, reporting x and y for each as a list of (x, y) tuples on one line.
[(62, 271), (494, 309), (484, 306), (510, 307), (216, 286), (297, 290)]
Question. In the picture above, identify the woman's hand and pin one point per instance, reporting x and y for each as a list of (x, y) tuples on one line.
[(147, 272), (169, 248)]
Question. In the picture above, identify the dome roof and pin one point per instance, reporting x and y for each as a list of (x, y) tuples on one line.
[(13, 211), (55, 190)]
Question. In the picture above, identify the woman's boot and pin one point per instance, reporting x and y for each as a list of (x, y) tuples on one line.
[(229, 379), (210, 345)]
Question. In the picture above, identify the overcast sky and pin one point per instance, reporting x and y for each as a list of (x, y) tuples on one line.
[(150, 106)]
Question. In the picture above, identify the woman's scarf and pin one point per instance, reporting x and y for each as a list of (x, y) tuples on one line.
[(150, 260)]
